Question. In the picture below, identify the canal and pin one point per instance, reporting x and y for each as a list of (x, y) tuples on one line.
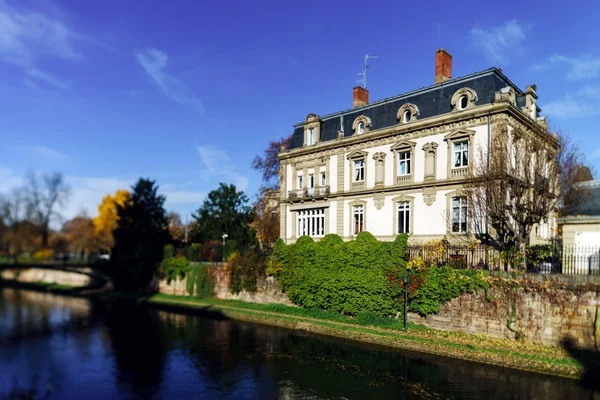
[(71, 348)]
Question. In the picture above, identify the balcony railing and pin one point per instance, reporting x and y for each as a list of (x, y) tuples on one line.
[(458, 172), (403, 179), (309, 193)]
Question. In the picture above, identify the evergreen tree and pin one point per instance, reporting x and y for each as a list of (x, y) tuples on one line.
[(140, 236), (225, 210)]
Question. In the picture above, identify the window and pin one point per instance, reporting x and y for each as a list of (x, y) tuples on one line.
[(358, 219), (403, 217), (311, 185), (459, 215), (463, 102), (310, 139), (323, 179), (361, 127), (311, 222), (359, 171), (404, 162), (407, 116), (300, 182), (461, 154)]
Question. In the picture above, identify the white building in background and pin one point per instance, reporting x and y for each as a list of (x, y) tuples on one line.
[(398, 165)]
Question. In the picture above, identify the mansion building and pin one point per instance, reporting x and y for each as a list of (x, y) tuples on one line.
[(399, 165)]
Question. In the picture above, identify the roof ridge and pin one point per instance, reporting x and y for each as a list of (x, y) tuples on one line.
[(416, 91)]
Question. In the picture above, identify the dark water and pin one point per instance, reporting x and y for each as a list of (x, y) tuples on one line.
[(89, 351)]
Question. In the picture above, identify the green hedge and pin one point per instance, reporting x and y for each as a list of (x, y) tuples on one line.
[(347, 277)]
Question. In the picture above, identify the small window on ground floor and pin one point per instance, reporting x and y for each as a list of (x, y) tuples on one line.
[(403, 217), (459, 215)]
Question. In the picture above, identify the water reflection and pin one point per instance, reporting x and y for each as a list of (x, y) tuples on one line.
[(94, 351)]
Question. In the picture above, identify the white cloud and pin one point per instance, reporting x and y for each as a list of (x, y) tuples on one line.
[(155, 63), (495, 42), (570, 108), (217, 165), (179, 197), (578, 68), (47, 152), (28, 37)]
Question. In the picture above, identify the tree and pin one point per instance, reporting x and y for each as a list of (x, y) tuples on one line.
[(19, 232), (80, 236), (266, 219), (515, 188), (176, 228), (268, 164), (107, 220), (140, 236), (225, 210), (573, 170), (266, 207), (43, 199)]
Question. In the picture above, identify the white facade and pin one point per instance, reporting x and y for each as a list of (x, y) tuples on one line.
[(362, 181)]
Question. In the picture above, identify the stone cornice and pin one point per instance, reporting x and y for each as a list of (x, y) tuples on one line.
[(420, 128)]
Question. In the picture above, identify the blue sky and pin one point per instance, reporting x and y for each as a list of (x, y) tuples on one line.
[(188, 92)]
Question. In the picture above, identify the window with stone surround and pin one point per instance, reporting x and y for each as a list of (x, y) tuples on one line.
[(358, 169), (459, 215), (358, 219), (460, 152), (403, 217), (403, 161)]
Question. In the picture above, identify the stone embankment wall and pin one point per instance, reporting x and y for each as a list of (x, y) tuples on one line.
[(35, 275), (267, 289), (537, 309)]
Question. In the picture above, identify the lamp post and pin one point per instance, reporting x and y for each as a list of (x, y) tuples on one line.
[(406, 281), (225, 236)]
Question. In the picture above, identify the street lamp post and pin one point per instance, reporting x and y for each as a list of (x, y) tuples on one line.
[(225, 236)]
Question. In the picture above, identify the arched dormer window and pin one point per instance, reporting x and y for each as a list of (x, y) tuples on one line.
[(463, 99), (407, 113), (361, 125)]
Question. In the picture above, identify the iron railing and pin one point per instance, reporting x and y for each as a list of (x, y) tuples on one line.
[(547, 259), (319, 191)]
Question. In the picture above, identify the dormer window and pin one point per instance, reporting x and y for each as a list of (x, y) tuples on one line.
[(361, 127), (310, 137), (407, 113), (312, 128), (463, 98)]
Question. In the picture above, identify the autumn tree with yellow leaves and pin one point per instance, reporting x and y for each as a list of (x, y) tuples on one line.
[(108, 218)]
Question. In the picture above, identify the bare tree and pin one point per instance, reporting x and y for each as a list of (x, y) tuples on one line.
[(573, 170), (266, 219), (14, 215), (515, 188), (43, 199)]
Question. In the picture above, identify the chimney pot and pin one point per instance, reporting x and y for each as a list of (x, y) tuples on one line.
[(361, 97), (443, 66)]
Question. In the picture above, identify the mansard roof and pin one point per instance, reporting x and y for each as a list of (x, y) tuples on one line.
[(431, 101)]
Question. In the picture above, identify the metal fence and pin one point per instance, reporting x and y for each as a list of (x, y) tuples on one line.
[(547, 259)]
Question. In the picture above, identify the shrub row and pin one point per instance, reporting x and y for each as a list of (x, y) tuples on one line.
[(346, 277)]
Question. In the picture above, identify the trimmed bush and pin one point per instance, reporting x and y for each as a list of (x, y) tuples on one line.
[(347, 277)]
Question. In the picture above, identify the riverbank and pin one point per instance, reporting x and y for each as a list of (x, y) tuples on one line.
[(545, 359), (552, 360)]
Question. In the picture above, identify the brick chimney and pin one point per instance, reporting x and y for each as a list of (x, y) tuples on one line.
[(361, 97), (443, 66)]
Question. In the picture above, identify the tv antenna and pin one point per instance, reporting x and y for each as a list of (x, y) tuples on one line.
[(363, 75)]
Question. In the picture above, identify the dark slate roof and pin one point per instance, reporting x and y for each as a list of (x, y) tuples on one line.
[(432, 101), (590, 204)]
